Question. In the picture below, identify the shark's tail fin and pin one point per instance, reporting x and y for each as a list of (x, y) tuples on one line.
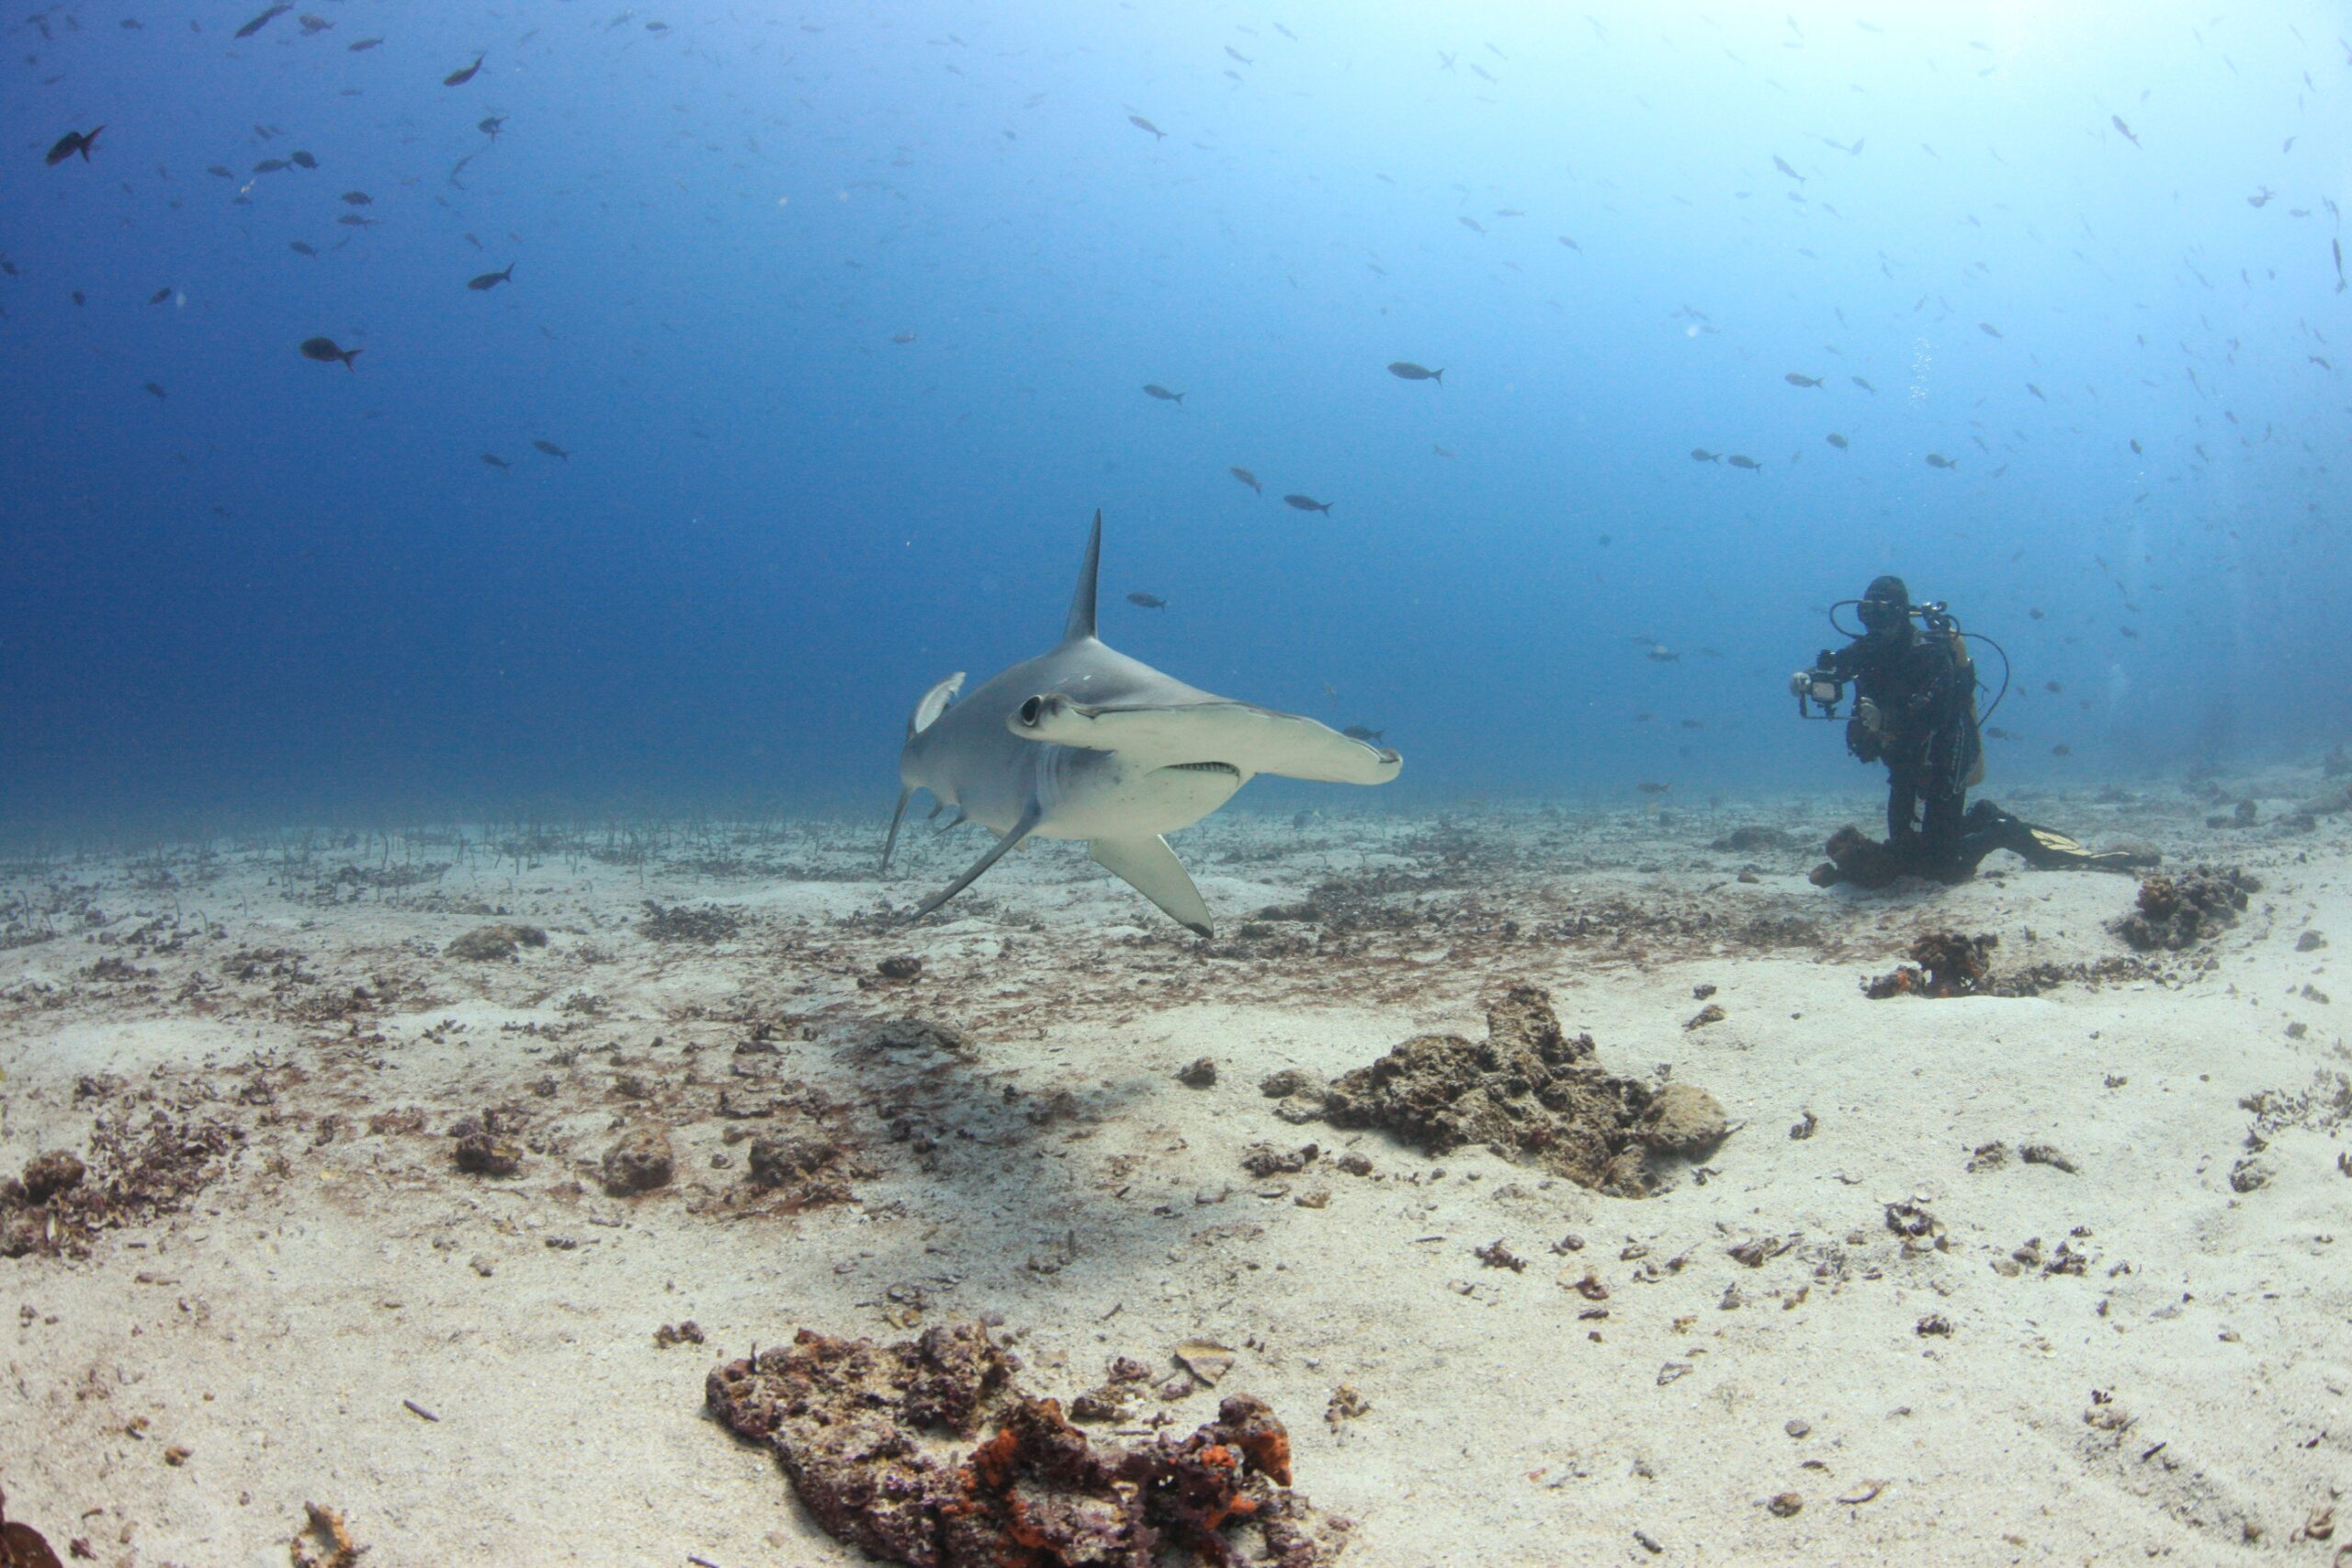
[(1080, 624)]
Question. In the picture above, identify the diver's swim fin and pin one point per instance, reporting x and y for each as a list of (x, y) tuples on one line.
[(2052, 851)]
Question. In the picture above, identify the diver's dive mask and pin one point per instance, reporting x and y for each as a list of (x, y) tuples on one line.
[(1880, 614)]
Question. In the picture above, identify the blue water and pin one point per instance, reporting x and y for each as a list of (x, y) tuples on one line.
[(288, 588)]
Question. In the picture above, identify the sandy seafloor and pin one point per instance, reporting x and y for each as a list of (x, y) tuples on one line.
[(176, 1394)]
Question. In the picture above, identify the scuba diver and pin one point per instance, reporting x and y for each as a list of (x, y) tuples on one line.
[(1915, 709)]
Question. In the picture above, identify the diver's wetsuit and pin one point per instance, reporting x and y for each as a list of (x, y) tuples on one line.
[(1927, 737)]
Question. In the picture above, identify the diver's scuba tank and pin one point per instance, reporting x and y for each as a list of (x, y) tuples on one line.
[(1935, 621)]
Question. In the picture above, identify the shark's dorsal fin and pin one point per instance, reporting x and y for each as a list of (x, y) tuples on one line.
[(1081, 625)]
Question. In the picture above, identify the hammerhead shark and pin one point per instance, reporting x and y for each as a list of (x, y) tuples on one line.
[(1084, 742)]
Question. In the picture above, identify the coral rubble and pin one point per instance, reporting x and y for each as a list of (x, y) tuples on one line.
[(1943, 964), (878, 1443), (1530, 1093), (2181, 910)]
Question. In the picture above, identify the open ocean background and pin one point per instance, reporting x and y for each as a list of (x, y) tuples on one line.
[(273, 589)]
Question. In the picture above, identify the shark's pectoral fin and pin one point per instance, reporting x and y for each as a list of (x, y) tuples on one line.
[(1151, 868), (892, 841), (995, 852), (1247, 737)]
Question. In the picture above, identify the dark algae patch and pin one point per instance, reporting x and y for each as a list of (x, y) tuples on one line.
[(928, 1452)]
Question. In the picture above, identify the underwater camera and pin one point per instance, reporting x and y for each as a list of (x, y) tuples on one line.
[(1817, 688)]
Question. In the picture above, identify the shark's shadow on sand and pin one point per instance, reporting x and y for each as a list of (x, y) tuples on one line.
[(1084, 742)]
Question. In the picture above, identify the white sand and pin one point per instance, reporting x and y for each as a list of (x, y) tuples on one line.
[(274, 1327)]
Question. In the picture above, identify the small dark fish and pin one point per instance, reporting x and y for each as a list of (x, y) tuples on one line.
[(1995, 732), (314, 24), (1286, 32), (2035, 390), (220, 171), (1358, 732), (263, 20), (1835, 440), (1937, 460), (1988, 329), (2117, 121), (1406, 370), (1480, 71), (74, 141), (2034, 613), (2061, 749), (1782, 163), (902, 337), (352, 220), (1238, 55), (2137, 447), (491, 125), (271, 166), (1572, 244), (552, 450), (496, 461), (1142, 124), (459, 78), (2336, 248), (1147, 600), (2053, 687), (78, 298), (1742, 460), (1443, 450), (2126, 631), (154, 388), (1865, 385), (1700, 455), (301, 160), (1245, 477), (159, 296), (489, 280), (1308, 503), (324, 351), (357, 198), (302, 247), (1471, 223), (363, 45), (1649, 786), (1154, 390), (1794, 379)]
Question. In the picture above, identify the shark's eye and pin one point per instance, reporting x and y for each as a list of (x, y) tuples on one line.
[(1031, 709)]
